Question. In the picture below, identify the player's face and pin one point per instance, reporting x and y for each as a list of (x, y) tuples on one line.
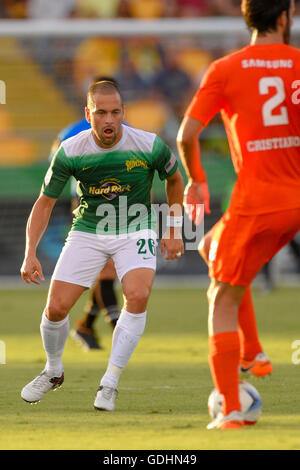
[(105, 114)]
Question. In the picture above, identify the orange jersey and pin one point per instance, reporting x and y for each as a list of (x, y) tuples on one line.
[(257, 91)]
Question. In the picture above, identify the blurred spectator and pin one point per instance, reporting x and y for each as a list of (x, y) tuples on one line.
[(145, 54), (50, 8), (171, 9), (192, 8), (15, 9), (96, 8), (148, 114), (193, 60), (120, 8), (227, 7), (95, 56), (3, 11), (174, 83), (141, 8), (131, 83)]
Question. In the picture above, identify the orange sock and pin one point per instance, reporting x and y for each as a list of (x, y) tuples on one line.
[(224, 359), (250, 345)]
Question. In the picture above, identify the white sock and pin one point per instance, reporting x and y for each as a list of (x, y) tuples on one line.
[(54, 336), (126, 336)]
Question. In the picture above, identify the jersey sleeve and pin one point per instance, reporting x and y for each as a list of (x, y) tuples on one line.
[(165, 161), (57, 175), (209, 99)]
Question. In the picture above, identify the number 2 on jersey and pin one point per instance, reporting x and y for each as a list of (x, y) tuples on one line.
[(269, 118)]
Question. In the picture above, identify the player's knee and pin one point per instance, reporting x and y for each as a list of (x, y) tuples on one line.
[(220, 292), (56, 310), (137, 296)]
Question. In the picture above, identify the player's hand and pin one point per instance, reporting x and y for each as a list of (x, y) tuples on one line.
[(195, 196), (171, 244), (31, 270)]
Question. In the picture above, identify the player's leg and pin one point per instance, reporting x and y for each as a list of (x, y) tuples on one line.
[(253, 360), (294, 246), (235, 265), (135, 264), (54, 330), (102, 297), (224, 350), (136, 286), (106, 294), (268, 283), (55, 321), (224, 300), (84, 332), (75, 271)]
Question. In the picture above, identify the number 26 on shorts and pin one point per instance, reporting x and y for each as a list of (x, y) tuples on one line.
[(146, 246)]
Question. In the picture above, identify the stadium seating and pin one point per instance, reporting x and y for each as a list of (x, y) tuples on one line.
[(145, 9), (95, 56), (194, 61), (147, 114), (94, 8), (36, 109)]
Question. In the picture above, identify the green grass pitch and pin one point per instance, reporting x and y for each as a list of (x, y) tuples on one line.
[(162, 403)]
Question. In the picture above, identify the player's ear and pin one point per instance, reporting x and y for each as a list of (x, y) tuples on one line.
[(87, 114), (292, 13), (282, 21)]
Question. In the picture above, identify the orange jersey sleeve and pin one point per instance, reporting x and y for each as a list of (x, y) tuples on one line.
[(257, 91), (209, 99)]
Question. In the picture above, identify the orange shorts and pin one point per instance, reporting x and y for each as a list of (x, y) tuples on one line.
[(241, 245)]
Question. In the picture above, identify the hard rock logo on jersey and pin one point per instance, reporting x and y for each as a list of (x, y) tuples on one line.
[(109, 189), (134, 162)]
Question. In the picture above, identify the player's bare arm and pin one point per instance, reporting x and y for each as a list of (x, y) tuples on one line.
[(171, 243), (31, 270), (196, 192), (188, 147)]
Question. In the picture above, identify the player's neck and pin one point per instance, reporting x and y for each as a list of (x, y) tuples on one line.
[(273, 37)]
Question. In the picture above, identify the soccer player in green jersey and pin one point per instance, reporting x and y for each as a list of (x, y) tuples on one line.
[(114, 166), (102, 295)]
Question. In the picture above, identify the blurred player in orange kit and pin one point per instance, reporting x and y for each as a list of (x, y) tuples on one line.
[(257, 92)]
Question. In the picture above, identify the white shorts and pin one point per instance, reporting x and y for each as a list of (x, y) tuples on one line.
[(85, 255)]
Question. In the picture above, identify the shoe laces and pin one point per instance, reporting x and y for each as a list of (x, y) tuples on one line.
[(107, 391), (40, 381)]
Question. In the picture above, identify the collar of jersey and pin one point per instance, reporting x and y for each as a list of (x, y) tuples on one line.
[(111, 149)]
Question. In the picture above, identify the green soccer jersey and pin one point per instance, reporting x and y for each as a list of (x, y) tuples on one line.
[(113, 184)]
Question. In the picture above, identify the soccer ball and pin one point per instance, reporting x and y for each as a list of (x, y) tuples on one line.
[(250, 399)]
